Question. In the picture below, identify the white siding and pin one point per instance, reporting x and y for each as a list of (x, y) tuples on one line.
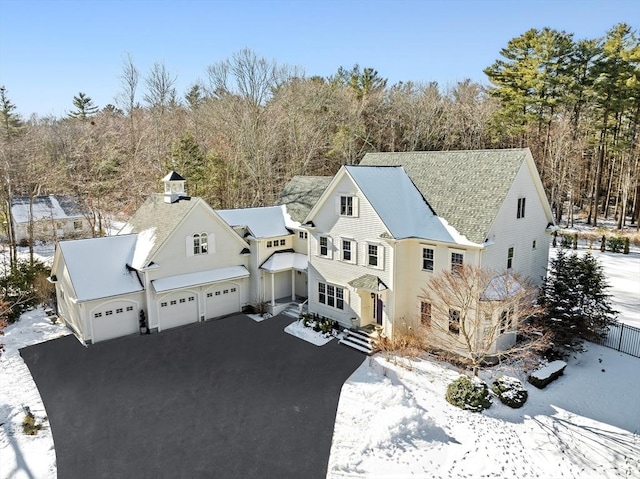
[(366, 227), (520, 233)]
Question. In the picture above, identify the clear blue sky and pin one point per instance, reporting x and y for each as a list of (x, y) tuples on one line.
[(51, 50)]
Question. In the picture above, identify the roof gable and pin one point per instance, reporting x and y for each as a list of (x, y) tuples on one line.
[(263, 222), (398, 203), (466, 188), (301, 194), (98, 266), (162, 217), (156, 221)]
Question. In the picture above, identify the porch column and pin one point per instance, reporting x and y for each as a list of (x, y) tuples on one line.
[(293, 285), (273, 290)]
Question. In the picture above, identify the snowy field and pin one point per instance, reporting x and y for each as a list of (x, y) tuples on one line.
[(393, 422)]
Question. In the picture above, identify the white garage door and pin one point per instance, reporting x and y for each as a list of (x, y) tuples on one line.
[(222, 299), (114, 319), (178, 309)]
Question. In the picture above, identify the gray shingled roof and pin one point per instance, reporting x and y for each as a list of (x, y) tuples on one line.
[(302, 193), (164, 217), (368, 282), (466, 188)]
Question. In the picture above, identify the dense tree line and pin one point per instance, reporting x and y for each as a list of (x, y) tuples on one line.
[(251, 124)]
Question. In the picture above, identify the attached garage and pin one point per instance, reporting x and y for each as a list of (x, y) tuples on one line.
[(114, 319), (222, 299), (177, 309)]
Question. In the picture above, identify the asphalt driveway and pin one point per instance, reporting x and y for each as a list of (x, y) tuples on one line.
[(222, 399)]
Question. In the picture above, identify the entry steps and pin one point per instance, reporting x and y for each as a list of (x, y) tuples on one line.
[(359, 340), (295, 309)]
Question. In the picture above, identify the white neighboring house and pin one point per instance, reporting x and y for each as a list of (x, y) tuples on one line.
[(53, 216), (381, 230), (175, 262)]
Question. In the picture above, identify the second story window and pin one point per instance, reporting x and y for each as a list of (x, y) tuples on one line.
[(372, 255), (324, 247), (427, 259), (521, 205), (457, 260), (346, 250)]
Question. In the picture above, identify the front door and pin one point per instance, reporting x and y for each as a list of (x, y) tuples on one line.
[(377, 308)]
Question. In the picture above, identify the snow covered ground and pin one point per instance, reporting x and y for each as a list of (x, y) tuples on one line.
[(393, 422), (21, 456)]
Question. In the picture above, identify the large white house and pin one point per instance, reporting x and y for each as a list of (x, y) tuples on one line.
[(382, 229), (361, 246)]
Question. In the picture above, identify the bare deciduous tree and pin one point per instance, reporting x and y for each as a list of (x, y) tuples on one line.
[(477, 314)]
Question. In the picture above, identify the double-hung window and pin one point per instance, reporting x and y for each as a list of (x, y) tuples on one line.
[(457, 260), (348, 250), (425, 313), (331, 295), (324, 245), (510, 258), (521, 205), (346, 206), (427, 259), (454, 321), (372, 255)]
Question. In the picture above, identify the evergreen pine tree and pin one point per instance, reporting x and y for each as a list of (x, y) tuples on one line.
[(10, 120), (84, 107), (577, 305)]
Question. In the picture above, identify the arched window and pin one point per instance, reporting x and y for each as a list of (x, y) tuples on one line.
[(200, 243), (196, 244), (204, 245)]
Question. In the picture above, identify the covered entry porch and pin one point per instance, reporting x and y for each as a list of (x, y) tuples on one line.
[(372, 294), (285, 280)]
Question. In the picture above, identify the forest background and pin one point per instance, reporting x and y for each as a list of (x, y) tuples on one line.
[(239, 135)]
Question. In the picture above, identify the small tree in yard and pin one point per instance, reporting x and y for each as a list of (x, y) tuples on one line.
[(468, 310), (576, 303)]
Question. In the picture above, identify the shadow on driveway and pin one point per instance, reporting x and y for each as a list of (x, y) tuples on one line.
[(226, 399)]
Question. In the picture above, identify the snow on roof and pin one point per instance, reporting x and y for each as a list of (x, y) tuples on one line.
[(398, 203), (98, 266), (265, 222), (146, 242), (285, 261), (44, 207), (199, 278)]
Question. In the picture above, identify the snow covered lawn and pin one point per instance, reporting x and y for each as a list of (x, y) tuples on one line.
[(394, 422), (24, 456)]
